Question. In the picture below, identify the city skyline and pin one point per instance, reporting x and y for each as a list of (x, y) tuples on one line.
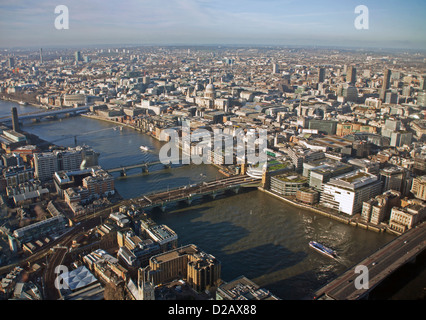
[(317, 162), (392, 24)]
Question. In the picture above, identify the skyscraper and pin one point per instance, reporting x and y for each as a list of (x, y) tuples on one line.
[(78, 56), (321, 75), (423, 83), (386, 84), (41, 55), (275, 68), (351, 75), (11, 62)]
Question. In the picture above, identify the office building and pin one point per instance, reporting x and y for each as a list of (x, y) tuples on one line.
[(134, 251), (299, 155), (11, 62), (386, 84), (243, 289), (401, 138), (419, 127), (348, 128), (391, 125), (78, 56), (346, 193), (307, 195), (321, 75), (287, 184), (391, 97), (403, 219), (199, 269), (407, 91), (106, 267), (378, 209), (423, 83), (393, 178), (350, 93), (275, 68), (351, 75), (74, 99), (323, 172), (166, 238), (327, 127), (418, 187)]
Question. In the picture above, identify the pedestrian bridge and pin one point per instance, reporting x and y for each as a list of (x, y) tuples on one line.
[(44, 114)]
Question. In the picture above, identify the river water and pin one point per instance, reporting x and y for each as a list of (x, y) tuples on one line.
[(252, 233)]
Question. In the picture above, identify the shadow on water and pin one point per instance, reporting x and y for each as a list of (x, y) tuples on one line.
[(280, 259), (219, 238), (303, 285)]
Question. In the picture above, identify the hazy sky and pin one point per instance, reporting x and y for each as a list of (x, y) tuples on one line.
[(397, 24)]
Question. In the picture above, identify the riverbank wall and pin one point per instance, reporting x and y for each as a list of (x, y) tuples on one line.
[(346, 220)]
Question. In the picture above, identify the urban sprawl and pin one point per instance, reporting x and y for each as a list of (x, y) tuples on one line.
[(345, 139)]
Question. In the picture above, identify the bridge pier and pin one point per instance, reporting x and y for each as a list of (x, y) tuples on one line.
[(168, 166), (145, 169), (236, 189), (123, 173)]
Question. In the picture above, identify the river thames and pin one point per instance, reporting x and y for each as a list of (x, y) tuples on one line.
[(252, 233)]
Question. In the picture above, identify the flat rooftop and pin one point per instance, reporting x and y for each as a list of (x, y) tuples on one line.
[(174, 254), (353, 180)]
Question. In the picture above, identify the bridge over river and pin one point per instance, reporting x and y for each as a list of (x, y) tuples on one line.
[(190, 193), (44, 114), (380, 264)]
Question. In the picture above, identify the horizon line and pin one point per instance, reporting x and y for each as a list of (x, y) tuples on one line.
[(134, 45)]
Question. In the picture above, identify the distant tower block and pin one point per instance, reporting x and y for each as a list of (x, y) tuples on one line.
[(321, 75), (41, 55), (351, 75), (15, 120), (275, 68)]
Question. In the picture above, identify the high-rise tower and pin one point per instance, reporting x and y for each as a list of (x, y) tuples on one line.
[(275, 68), (351, 75), (386, 84), (78, 56), (15, 120), (321, 75)]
